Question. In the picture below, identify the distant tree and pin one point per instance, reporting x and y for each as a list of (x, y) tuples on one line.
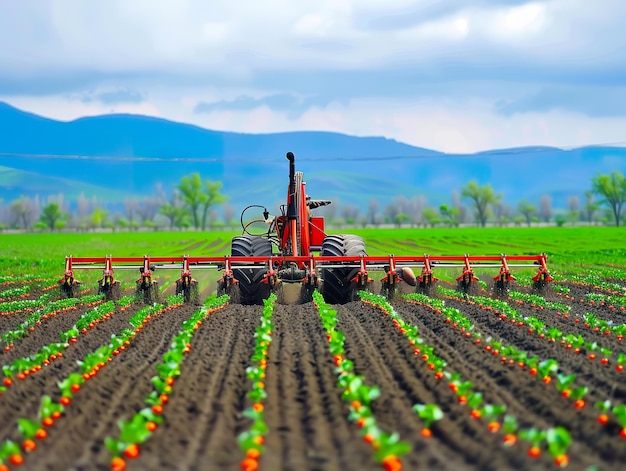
[(545, 208), (350, 213), (98, 217), (149, 208), (528, 210), (456, 203), (415, 208), (573, 204), (228, 214), (22, 209), (481, 197), (390, 212), (174, 210), (401, 218), (449, 215), (82, 206), (191, 192), (612, 188), (502, 213), (131, 209), (372, 210), (591, 207), (431, 216), (51, 215), (210, 198)]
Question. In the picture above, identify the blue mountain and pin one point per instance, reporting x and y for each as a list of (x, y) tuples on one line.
[(119, 155)]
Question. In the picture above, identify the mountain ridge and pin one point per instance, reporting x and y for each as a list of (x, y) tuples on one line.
[(254, 171)]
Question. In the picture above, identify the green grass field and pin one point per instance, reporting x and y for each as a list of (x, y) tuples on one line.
[(567, 247)]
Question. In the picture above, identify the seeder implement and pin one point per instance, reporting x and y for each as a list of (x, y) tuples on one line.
[(294, 249), (396, 269)]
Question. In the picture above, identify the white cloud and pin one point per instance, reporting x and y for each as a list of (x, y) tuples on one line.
[(430, 74)]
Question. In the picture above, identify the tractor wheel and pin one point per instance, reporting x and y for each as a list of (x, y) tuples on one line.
[(336, 285), (251, 289)]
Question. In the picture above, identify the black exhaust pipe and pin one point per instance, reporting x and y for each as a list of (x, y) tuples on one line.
[(292, 212)]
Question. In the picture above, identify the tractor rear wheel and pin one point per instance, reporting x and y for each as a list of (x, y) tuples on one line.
[(337, 287), (251, 288)]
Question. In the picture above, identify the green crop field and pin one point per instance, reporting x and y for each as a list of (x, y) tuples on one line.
[(567, 247)]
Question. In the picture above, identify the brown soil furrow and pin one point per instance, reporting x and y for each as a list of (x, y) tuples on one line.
[(593, 374), (304, 401), (48, 332), (23, 397), (383, 355), (78, 439), (204, 413), (10, 322), (526, 397)]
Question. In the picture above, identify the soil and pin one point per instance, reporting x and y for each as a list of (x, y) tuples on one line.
[(307, 419)]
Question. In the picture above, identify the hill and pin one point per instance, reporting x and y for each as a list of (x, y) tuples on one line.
[(115, 156)]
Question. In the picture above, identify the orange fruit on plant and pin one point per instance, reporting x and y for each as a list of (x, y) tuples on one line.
[(249, 464), (534, 452), (16, 459), (29, 445), (392, 463), (118, 464), (253, 453), (132, 451)]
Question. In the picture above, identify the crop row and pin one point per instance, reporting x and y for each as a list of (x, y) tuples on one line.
[(546, 369), (49, 412), (557, 439)]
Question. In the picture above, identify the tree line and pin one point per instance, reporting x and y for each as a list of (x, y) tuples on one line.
[(194, 203)]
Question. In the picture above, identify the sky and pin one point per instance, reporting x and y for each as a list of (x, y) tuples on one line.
[(449, 75)]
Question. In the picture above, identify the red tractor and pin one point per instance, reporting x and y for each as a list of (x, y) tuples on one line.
[(286, 252), (293, 249)]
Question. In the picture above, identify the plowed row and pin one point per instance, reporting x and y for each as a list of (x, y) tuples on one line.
[(307, 419)]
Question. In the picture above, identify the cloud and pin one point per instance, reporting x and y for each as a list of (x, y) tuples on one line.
[(590, 101), (112, 97), (283, 102), (401, 14), (288, 62)]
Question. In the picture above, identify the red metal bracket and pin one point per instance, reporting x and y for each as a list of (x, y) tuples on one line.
[(427, 272), (145, 272), (107, 273), (543, 274), (505, 273), (362, 278), (468, 272), (69, 272)]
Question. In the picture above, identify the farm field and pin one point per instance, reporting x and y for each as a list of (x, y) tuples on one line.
[(444, 381)]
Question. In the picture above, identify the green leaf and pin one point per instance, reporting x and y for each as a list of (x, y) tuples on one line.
[(115, 447), (9, 448), (259, 427), (28, 428), (559, 440)]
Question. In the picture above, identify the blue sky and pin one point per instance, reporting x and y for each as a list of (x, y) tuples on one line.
[(455, 75)]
